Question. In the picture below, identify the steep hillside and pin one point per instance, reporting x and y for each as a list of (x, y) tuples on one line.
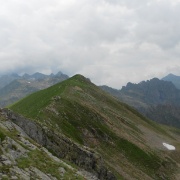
[(26, 85), (24, 159), (174, 79), (157, 99), (131, 145)]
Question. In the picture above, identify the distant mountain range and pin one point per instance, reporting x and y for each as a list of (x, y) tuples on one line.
[(14, 87), (157, 99)]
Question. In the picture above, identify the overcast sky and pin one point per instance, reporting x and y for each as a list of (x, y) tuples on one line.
[(110, 41)]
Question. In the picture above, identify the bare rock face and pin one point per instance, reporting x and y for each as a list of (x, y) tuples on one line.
[(62, 146), (19, 155)]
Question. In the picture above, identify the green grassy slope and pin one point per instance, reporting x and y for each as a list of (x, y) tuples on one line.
[(90, 117), (20, 88)]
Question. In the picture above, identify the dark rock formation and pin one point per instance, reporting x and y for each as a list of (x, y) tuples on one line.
[(156, 99), (174, 79)]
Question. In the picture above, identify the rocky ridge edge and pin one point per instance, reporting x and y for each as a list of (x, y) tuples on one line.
[(61, 146)]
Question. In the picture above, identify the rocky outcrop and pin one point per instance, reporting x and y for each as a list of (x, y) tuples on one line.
[(61, 146), (11, 152)]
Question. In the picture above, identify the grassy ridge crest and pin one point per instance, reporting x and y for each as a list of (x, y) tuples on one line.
[(91, 117)]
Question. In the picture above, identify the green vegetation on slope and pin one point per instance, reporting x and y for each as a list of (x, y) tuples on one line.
[(44, 163), (22, 157), (2, 136), (19, 87), (89, 116)]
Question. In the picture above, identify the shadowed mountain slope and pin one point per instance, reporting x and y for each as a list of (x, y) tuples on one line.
[(130, 145), (157, 99)]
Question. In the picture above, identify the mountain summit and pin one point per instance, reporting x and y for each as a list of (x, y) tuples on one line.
[(174, 79), (79, 122)]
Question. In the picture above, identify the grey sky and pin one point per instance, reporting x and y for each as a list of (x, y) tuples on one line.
[(109, 41)]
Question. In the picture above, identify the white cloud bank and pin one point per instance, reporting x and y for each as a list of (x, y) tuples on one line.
[(110, 41)]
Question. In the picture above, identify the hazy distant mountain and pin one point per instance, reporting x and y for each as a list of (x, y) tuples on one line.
[(27, 84), (174, 79), (153, 92), (6, 79), (36, 76), (157, 99)]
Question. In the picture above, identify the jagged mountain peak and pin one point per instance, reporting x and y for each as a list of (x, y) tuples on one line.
[(16, 87), (170, 75), (38, 75), (157, 99), (151, 87), (59, 73)]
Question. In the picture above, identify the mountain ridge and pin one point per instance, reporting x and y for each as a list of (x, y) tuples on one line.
[(27, 84), (21, 157), (8, 78), (90, 117), (152, 98), (173, 78)]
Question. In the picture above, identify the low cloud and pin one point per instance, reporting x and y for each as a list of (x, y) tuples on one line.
[(111, 42)]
